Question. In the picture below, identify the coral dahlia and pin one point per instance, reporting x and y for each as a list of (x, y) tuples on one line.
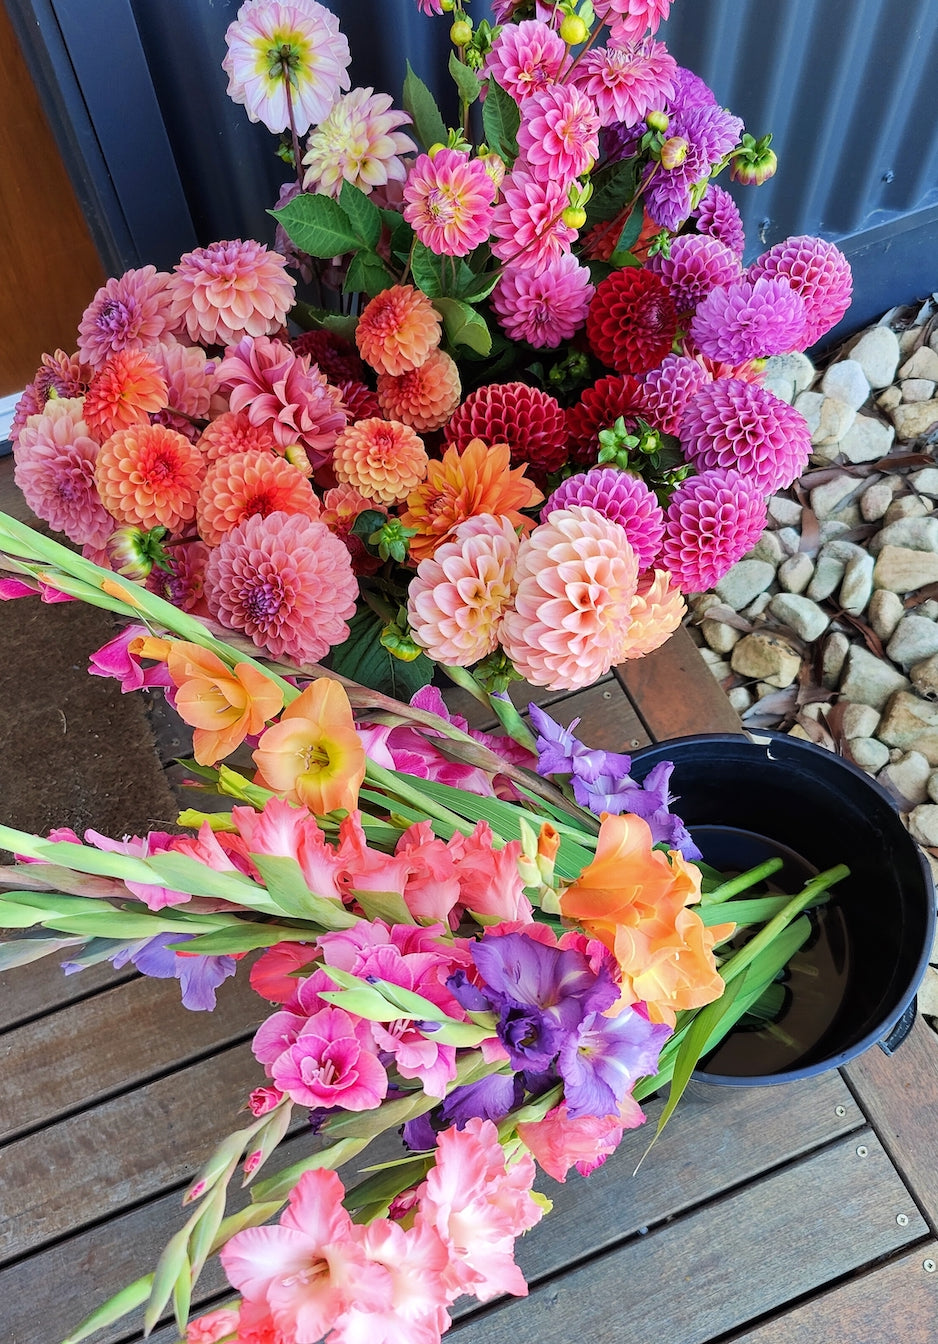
[(243, 484), (657, 611), (127, 388), (621, 498), (632, 320), (449, 202), (233, 432), (398, 329), (712, 521), (150, 476), (130, 312), (382, 459), (734, 424), (424, 397), (358, 141), (577, 577), (54, 468), (228, 290), (286, 582)]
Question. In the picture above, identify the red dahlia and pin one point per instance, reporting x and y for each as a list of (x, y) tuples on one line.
[(528, 420), (599, 408), (337, 358), (632, 321)]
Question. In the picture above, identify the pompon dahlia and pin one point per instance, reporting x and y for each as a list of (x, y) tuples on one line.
[(286, 582), (128, 387), (456, 601), (559, 132), (632, 320), (150, 476), (750, 319), (58, 375), (577, 577), (657, 611), (621, 498), (358, 141), (359, 401), (228, 290), (463, 485), (526, 57), (54, 460), (449, 202), (544, 307), (334, 356), (818, 271), (425, 397), (599, 407), (627, 82), (398, 329), (734, 424), (530, 421), (666, 390), (232, 432), (244, 484), (282, 391), (130, 312), (693, 267), (712, 521), (718, 217), (382, 459)]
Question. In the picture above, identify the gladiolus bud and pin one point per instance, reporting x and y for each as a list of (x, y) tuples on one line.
[(674, 151)]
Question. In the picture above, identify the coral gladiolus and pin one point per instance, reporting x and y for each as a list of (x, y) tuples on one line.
[(313, 755)]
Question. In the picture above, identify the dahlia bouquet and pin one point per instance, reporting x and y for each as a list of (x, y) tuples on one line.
[(493, 404), (495, 955)]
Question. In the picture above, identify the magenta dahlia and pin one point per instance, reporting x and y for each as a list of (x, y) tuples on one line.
[(818, 271), (718, 217), (734, 424), (449, 202), (666, 389), (547, 307), (621, 498), (559, 132), (712, 521), (749, 319), (630, 20), (694, 265), (526, 57), (528, 227), (527, 419), (628, 82), (632, 320)]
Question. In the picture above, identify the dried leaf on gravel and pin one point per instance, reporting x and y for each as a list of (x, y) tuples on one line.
[(870, 638)]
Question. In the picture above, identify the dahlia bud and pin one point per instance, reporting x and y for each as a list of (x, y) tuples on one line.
[(496, 672), (461, 32), (674, 152), (297, 456), (574, 31), (493, 165), (132, 552), (658, 121), (399, 642), (392, 540), (753, 163)]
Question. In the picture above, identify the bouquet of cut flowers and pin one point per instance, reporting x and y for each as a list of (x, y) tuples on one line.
[(525, 415)]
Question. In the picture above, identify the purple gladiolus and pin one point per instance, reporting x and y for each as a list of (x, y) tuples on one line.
[(198, 975), (603, 1059)]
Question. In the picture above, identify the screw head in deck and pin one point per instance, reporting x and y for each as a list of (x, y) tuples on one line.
[(902, 1219), (928, 1266)]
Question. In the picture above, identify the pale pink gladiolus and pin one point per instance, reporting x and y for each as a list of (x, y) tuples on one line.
[(214, 1326), (416, 1261)]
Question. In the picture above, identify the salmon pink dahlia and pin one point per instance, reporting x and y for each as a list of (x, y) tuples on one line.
[(382, 459), (58, 375), (286, 582), (127, 313), (244, 484), (150, 476), (54, 467), (128, 387), (398, 329), (657, 612), (228, 290), (233, 432), (577, 578), (425, 397)]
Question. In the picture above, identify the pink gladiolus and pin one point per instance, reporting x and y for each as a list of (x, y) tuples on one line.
[(114, 659), (10, 589), (156, 842), (329, 1065), (263, 1100), (286, 831), (273, 974), (214, 1326), (415, 1260), (559, 1143)]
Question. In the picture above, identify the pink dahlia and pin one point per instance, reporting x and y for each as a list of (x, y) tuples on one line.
[(694, 266), (184, 584), (526, 57), (358, 141), (449, 202), (734, 424), (544, 308), (456, 602), (191, 384), (577, 577), (54, 468), (527, 224), (530, 421), (816, 270), (59, 375), (749, 319), (657, 612), (282, 56), (632, 19), (559, 132), (228, 290), (666, 390), (621, 498), (718, 217), (632, 320), (712, 521), (286, 582), (127, 313), (626, 83), (281, 391)]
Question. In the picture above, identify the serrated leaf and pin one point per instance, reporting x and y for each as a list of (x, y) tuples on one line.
[(464, 326), (121, 1304), (318, 225), (427, 270), (467, 83), (631, 229), (288, 887), (367, 274), (399, 231), (500, 122), (364, 215), (420, 103)]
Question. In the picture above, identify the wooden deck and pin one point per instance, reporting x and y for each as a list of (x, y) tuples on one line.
[(796, 1214)]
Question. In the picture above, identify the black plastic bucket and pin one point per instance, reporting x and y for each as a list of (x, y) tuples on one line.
[(749, 797)]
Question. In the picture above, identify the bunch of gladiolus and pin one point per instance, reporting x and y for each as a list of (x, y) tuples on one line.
[(526, 414)]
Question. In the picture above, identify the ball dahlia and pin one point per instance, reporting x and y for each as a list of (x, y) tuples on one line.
[(286, 582), (228, 290), (382, 459), (54, 459), (233, 432), (336, 357), (577, 577), (694, 266), (738, 425), (718, 216), (749, 319), (544, 308), (712, 521), (818, 271), (130, 312), (58, 375), (632, 320), (150, 476), (666, 390), (621, 498), (398, 329), (128, 387), (243, 484), (425, 397), (360, 402), (530, 421), (599, 407)]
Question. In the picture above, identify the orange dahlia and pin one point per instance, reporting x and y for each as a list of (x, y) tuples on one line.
[(150, 476), (476, 480), (243, 484), (232, 432), (382, 459), (127, 388), (398, 329), (424, 397)]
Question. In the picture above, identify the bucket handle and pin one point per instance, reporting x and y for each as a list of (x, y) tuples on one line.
[(891, 1042)]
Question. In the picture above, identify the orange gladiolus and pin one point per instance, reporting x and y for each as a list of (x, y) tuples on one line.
[(313, 755), (634, 899)]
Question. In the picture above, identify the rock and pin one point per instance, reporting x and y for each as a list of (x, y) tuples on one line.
[(834, 419), (933, 788), (915, 639), (802, 616), (901, 570), (923, 827), (917, 389), (721, 638), (908, 506), (720, 669), (857, 586), (757, 606), (833, 657), (800, 733), (909, 722), (766, 657), (889, 400), (795, 369), (795, 573), (877, 497), (701, 603), (915, 419), (869, 754), (916, 533), (769, 549), (832, 528), (790, 538), (908, 341), (809, 404), (827, 498), (846, 381), (859, 721), (885, 613), (923, 363), (741, 698), (710, 656), (867, 439), (927, 992), (925, 481), (828, 574), (867, 680), (925, 677), (784, 512), (744, 581), (907, 779), (877, 353), (929, 609)]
